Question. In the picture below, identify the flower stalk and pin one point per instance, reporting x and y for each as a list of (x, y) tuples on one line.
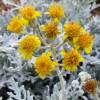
[(60, 77)]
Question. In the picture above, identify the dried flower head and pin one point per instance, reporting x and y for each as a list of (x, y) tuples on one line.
[(51, 30), (16, 25), (29, 13), (90, 86), (44, 65), (28, 45), (71, 60)]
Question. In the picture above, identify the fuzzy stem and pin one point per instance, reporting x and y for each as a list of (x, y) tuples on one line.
[(61, 82), (60, 76), (96, 96), (41, 36)]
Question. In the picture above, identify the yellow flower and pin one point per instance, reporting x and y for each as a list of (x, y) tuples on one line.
[(72, 30), (50, 29), (16, 25), (71, 60), (56, 11), (44, 65), (85, 42), (29, 13), (28, 45)]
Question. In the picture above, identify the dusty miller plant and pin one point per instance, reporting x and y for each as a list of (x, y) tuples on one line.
[(15, 71)]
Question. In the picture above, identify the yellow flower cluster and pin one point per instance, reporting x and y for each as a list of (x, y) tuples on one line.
[(28, 45), (80, 40), (71, 60), (27, 13), (74, 35), (56, 12), (44, 65), (77, 36)]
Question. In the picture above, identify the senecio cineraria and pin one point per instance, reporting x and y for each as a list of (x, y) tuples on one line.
[(74, 34), (58, 45)]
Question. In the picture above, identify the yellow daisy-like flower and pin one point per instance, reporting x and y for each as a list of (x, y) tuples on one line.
[(16, 25), (50, 29), (29, 13), (71, 60), (85, 42), (44, 65), (56, 11), (28, 45), (72, 30)]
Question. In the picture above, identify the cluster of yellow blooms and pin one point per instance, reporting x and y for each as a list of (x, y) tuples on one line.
[(29, 43), (56, 12), (74, 34), (27, 14), (80, 40)]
